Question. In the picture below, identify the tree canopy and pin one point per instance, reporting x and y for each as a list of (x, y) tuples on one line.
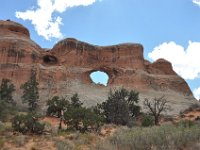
[(30, 92), (6, 91), (120, 106)]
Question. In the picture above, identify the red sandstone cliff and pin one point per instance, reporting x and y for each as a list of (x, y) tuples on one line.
[(66, 68)]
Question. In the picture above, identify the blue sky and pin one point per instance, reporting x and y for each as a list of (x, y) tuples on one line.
[(167, 28)]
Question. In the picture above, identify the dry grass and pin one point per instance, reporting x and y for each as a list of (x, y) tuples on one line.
[(166, 137), (184, 135)]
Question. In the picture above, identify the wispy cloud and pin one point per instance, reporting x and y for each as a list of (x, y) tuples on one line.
[(197, 2), (42, 17), (186, 62)]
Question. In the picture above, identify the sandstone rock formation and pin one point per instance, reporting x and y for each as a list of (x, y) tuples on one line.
[(66, 68)]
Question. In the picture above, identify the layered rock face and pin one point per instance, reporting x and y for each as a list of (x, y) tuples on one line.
[(66, 69), (17, 52)]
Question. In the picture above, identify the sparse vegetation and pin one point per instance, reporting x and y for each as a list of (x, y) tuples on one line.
[(27, 124), (186, 123), (120, 106), (20, 141), (147, 121), (30, 92), (6, 98), (72, 113), (63, 145), (6, 91), (166, 137), (156, 106), (2, 142), (56, 107), (80, 118)]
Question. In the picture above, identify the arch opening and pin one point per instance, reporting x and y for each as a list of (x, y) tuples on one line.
[(99, 78), (48, 59)]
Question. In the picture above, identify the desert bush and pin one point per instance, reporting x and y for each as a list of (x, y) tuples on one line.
[(1, 126), (86, 139), (147, 121), (82, 119), (79, 118), (186, 123), (5, 129), (6, 91), (164, 137), (56, 107), (192, 107), (20, 141), (105, 145), (27, 124), (120, 106), (63, 145)]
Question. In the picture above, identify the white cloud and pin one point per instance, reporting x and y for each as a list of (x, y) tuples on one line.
[(45, 24), (197, 2), (185, 62), (197, 93)]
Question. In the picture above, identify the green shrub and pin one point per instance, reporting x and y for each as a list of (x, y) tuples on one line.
[(63, 145), (147, 121), (6, 91), (82, 119), (19, 123), (56, 107), (186, 123), (38, 128), (120, 106), (7, 103), (30, 92), (5, 129), (27, 124)]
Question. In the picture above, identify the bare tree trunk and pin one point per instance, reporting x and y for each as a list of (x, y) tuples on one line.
[(156, 120), (60, 124), (61, 119)]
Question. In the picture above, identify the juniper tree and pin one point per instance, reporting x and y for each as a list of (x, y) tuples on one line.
[(28, 123), (82, 119), (30, 92), (120, 106), (6, 98), (56, 107), (75, 101), (6, 91)]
